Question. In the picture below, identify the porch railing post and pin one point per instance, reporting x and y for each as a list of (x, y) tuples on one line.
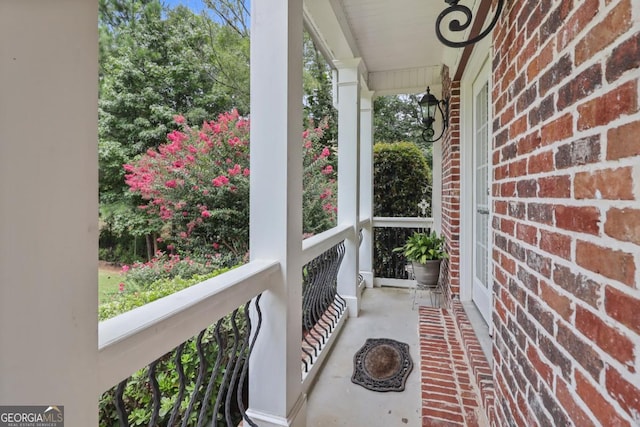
[(275, 382), (49, 207), (366, 186), (349, 176)]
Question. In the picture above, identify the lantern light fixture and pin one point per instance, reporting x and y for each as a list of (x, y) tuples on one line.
[(429, 106)]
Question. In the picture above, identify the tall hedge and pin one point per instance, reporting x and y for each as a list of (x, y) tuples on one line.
[(400, 175)]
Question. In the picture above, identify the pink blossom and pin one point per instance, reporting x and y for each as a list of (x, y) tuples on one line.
[(177, 137), (205, 214), (216, 246), (170, 184), (325, 152), (178, 119), (121, 287), (220, 181), (125, 268), (235, 170), (327, 170), (246, 172)]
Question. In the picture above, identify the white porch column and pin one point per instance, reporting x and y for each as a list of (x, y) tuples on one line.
[(366, 185), (276, 397), (349, 176), (49, 206)]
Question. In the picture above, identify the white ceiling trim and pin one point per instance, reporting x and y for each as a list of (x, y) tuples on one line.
[(412, 80)]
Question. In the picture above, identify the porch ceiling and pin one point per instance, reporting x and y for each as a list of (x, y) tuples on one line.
[(395, 39)]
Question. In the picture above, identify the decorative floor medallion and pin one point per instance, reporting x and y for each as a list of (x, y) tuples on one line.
[(382, 364)]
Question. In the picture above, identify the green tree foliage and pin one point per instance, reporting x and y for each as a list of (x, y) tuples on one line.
[(155, 64), (401, 179), (318, 96), (397, 118)]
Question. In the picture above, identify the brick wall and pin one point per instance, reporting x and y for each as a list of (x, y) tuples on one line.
[(566, 221), (451, 184)]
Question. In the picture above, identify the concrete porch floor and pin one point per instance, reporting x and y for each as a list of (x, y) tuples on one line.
[(450, 381), (335, 401)]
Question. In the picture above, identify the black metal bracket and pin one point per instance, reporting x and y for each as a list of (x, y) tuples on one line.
[(456, 26)]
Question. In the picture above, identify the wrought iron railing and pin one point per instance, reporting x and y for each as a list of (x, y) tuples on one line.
[(322, 306), (203, 381), (391, 233)]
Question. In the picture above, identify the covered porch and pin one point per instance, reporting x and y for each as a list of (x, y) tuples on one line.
[(528, 251)]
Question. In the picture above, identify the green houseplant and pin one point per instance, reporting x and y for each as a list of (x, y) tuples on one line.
[(426, 252)]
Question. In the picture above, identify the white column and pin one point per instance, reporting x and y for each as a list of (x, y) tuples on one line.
[(366, 185), (349, 176), (49, 206), (276, 397)]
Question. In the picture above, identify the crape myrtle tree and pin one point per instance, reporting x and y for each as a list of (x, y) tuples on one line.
[(156, 63), (197, 186)]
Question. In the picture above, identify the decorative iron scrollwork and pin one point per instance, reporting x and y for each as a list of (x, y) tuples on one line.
[(456, 26)]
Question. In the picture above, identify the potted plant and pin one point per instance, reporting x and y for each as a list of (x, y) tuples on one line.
[(426, 252)]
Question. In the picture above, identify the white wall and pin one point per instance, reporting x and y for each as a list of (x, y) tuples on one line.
[(48, 205)]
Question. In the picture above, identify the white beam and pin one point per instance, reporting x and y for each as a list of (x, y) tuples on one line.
[(276, 208), (49, 206), (411, 80)]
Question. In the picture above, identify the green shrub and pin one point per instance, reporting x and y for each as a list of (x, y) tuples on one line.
[(402, 178), (128, 300), (167, 266)]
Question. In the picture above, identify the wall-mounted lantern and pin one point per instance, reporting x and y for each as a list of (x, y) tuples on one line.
[(429, 106)]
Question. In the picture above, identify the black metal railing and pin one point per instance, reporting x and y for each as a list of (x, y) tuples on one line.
[(322, 306), (203, 381), (387, 263)]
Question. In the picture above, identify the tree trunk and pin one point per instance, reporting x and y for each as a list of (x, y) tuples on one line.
[(150, 252)]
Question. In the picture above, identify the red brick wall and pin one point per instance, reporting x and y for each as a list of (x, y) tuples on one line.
[(451, 183), (566, 191)]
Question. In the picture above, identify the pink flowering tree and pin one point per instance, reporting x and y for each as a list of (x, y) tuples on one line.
[(319, 181), (197, 184)]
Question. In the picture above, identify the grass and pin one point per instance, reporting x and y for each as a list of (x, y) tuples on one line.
[(108, 281)]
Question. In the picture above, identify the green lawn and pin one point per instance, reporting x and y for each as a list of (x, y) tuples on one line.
[(108, 282)]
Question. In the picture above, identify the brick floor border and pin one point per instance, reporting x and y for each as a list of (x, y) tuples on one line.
[(457, 386)]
